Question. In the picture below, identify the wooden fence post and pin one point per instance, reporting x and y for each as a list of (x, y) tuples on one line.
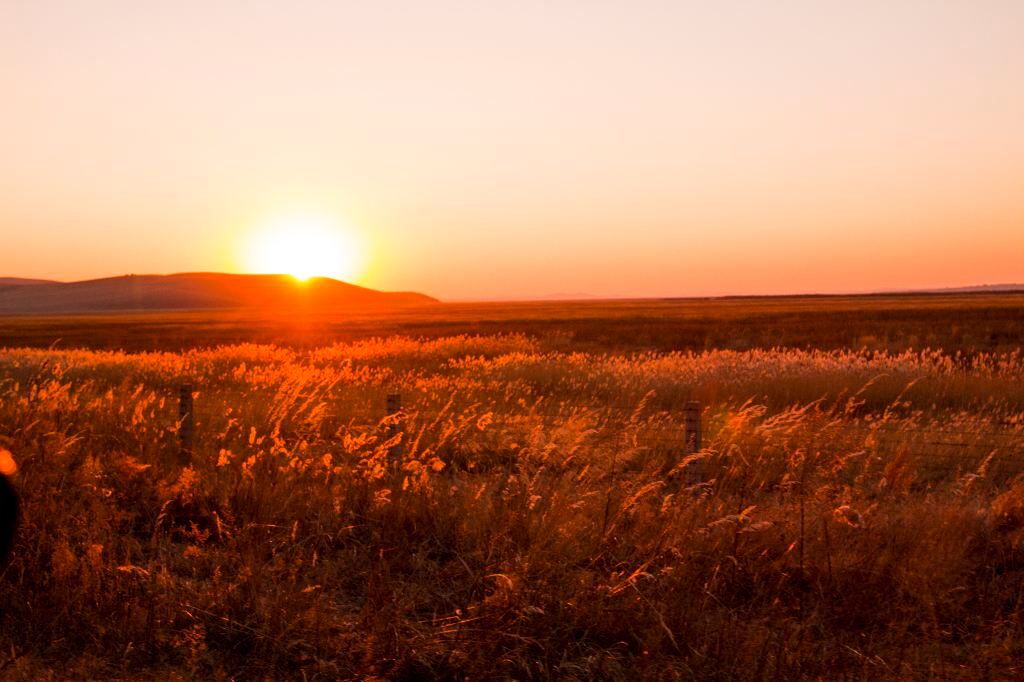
[(186, 417), (395, 427), (694, 473)]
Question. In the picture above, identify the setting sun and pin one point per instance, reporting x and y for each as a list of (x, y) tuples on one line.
[(304, 247)]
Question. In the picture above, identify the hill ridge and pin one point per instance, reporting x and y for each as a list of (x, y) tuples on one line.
[(199, 291)]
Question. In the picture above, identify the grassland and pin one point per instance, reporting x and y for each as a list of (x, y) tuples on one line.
[(952, 322), (853, 513)]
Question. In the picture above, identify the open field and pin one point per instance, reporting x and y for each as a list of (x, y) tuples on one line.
[(953, 322), (852, 514)]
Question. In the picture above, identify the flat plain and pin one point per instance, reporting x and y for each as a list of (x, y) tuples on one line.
[(974, 322), (533, 510)]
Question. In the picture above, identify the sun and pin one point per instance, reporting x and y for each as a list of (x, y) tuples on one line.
[(304, 246)]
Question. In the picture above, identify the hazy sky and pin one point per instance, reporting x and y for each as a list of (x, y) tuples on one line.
[(480, 149)]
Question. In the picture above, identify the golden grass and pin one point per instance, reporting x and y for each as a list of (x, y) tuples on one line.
[(860, 514)]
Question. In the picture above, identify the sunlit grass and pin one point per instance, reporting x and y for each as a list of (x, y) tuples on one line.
[(537, 523)]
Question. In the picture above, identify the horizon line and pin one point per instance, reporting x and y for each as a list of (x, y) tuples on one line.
[(1000, 287)]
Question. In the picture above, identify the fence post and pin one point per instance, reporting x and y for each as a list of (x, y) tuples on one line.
[(694, 472), (395, 427), (186, 417)]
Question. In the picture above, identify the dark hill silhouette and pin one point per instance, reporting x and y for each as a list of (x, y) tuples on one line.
[(22, 282), (200, 291)]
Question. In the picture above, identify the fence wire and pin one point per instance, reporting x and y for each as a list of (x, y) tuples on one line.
[(636, 425)]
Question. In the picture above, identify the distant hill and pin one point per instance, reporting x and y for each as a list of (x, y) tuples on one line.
[(22, 282), (980, 288), (198, 291)]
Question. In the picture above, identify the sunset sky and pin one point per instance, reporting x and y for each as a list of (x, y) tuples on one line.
[(518, 149)]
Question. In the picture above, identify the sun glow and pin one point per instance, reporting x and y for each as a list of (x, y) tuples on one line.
[(305, 247)]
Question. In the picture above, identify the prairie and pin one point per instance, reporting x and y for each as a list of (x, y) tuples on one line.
[(532, 511), (966, 322)]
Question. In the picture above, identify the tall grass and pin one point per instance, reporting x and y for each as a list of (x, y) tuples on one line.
[(859, 516)]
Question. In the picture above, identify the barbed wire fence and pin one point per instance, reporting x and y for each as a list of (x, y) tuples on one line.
[(656, 430)]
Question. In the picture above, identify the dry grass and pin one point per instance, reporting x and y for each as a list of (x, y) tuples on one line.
[(538, 524)]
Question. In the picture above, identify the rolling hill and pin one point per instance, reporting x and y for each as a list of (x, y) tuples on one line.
[(980, 288), (22, 282), (197, 291)]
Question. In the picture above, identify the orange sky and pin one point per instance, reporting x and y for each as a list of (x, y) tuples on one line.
[(487, 150)]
